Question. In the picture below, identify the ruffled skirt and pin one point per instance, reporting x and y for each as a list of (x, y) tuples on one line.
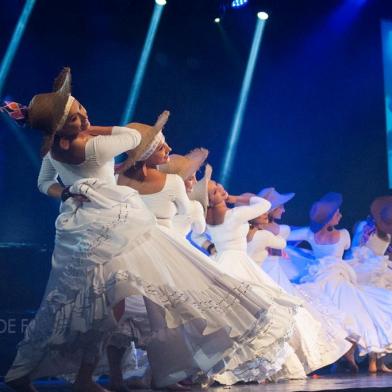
[(109, 249), (369, 308), (296, 340)]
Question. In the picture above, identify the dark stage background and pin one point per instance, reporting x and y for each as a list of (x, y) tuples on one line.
[(315, 118)]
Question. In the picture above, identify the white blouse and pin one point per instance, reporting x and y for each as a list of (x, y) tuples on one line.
[(99, 160)]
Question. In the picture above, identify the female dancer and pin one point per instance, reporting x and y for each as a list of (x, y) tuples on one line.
[(372, 245), (289, 261), (368, 307), (108, 249), (186, 167), (165, 194), (228, 229), (336, 324)]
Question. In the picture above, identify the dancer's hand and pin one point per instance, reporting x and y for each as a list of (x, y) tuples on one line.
[(231, 199), (66, 194)]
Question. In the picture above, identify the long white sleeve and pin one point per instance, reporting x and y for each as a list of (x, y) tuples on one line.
[(197, 217), (103, 148), (263, 239), (257, 206), (179, 196), (346, 238), (192, 210), (47, 175)]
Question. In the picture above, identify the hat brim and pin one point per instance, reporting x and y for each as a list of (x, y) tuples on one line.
[(200, 189), (185, 165), (316, 226), (148, 134), (282, 199), (53, 104)]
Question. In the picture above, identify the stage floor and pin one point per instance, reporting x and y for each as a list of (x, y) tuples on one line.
[(362, 382)]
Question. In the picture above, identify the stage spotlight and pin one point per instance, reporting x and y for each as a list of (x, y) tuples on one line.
[(262, 15), (217, 20), (238, 3), (15, 40), (142, 65), (236, 125)]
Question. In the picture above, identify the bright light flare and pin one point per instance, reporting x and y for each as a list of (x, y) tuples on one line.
[(262, 15)]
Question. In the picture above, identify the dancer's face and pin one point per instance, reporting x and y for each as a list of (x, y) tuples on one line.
[(260, 221), (335, 219), (160, 155), (77, 120), (190, 182), (216, 193), (277, 212)]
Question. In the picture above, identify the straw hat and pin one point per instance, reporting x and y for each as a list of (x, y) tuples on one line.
[(148, 133), (274, 197), (381, 210), (185, 165), (200, 189), (47, 112), (323, 210)]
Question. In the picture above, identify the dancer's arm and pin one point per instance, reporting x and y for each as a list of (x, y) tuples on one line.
[(47, 179), (185, 206), (257, 206), (271, 240), (346, 238), (103, 148), (203, 240)]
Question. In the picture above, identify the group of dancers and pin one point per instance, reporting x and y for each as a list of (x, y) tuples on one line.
[(148, 257)]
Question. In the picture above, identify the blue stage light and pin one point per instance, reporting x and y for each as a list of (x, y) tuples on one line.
[(142, 65), (238, 3), (262, 15), (14, 43), (241, 105)]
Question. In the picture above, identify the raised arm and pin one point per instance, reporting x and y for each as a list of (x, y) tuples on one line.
[(271, 240), (106, 146), (257, 206)]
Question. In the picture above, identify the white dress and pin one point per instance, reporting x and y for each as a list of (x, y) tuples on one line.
[(173, 201), (290, 260), (337, 327), (110, 248), (293, 337), (370, 308), (370, 263)]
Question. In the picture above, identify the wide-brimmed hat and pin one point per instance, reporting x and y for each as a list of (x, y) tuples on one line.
[(185, 165), (323, 210), (274, 197), (47, 112), (200, 189), (149, 133), (381, 210)]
